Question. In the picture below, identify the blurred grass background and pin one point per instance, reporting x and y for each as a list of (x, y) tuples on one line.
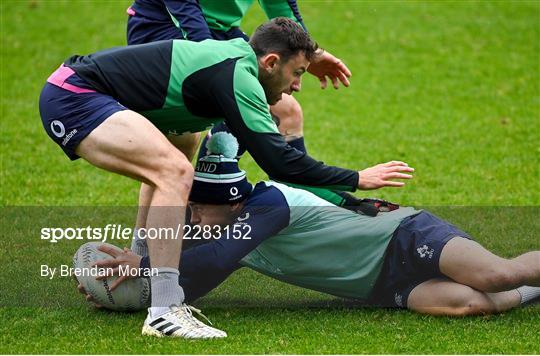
[(452, 88)]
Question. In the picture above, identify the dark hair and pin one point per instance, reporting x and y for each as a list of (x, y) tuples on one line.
[(284, 37)]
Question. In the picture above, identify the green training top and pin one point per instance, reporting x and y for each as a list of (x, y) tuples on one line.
[(326, 248), (226, 14), (183, 86)]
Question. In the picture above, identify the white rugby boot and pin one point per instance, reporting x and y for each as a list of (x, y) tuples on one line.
[(180, 322)]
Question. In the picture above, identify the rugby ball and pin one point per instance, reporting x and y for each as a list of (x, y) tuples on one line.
[(131, 295)]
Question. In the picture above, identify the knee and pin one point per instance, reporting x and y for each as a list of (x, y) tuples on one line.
[(294, 111), (473, 303), (502, 277), (289, 117), (173, 171)]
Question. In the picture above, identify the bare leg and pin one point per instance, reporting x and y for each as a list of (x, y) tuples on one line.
[(467, 262), (290, 119), (138, 244), (530, 259), (187, 143), (145, 197), (120, 145), (129, 144), (446, 297)]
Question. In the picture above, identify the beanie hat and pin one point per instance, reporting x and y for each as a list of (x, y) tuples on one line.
[(218, 179)]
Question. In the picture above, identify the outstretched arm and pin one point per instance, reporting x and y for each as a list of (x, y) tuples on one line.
[(204, 267), (249, 119)]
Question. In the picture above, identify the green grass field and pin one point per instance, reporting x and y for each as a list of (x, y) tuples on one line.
[(452, 88)]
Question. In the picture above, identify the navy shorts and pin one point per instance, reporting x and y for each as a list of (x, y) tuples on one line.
[(70, 109), (412, 257), (141, 30)]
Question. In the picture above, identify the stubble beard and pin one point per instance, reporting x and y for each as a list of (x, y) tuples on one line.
[(267, 82)]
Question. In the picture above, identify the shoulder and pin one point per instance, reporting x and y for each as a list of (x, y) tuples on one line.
[(246, 75), (266, 195), (266, 209), (297, 196), (251, 98)]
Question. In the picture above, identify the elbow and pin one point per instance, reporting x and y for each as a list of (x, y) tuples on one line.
[(275, 171)]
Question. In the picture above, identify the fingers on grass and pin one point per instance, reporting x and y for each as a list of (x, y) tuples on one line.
[(91, 299)]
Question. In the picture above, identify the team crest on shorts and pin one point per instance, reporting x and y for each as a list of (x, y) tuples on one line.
[(424, 251), (398, 298)]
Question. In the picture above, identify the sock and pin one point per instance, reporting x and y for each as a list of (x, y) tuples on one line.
[(166, 291), (138, 244), (298, 143), (528, 293)]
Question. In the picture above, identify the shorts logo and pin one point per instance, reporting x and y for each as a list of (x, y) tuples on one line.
[(425, 251), (398, 299), (69, 136), (243, 218), (58, 128), (234, 191)]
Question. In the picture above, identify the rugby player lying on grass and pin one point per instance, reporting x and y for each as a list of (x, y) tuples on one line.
[(403, 258)]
